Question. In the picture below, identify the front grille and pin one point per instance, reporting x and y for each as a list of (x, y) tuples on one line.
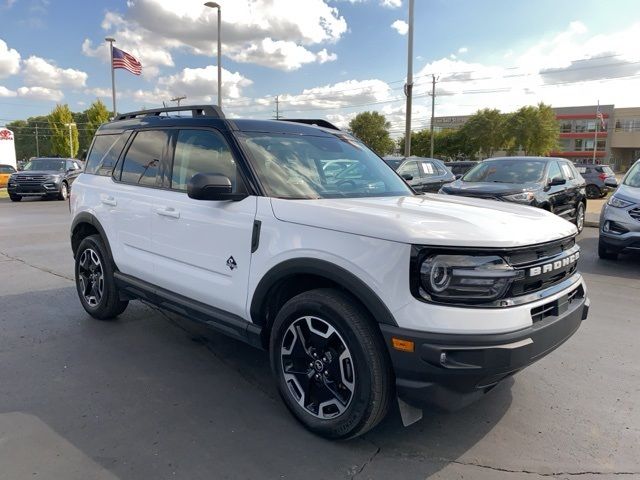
[(30, 180), (635, 213), (556, 307)]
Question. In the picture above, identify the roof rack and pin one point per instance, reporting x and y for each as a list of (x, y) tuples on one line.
[(196, 111), (311, 121)]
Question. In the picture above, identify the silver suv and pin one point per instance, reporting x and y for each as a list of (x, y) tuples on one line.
[(620, 217)]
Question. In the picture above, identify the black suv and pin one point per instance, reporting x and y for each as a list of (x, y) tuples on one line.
[(421, 173), (553, 184), (44, 177)]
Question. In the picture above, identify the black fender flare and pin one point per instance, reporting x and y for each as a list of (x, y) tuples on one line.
[(86, 217), (321, 268)]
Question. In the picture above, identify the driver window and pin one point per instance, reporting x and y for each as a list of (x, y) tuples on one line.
[(554, 171), (201, 151), (410, 168), (566, 170)]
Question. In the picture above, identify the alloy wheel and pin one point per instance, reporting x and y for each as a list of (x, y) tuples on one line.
[(91, 277), (318, 367)]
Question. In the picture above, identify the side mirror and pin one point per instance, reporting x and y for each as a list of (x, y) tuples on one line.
[(211, 186), (407, 176), (611, 182), (556, 181)]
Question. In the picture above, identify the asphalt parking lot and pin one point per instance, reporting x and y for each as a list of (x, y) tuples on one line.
[(152, 396)]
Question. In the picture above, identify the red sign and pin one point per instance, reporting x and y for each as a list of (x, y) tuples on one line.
[(6, 135)]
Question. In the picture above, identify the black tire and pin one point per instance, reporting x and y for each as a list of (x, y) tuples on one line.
[(98, 295), (15, 198), (606, 253), (593, 191), (363, 378), (580, 216), (64, 191)]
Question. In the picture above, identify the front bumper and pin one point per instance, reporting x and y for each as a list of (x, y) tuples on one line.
[(620, 216), (450, 370), (46, 188)]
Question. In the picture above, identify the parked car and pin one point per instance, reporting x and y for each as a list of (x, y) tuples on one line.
[(362, 292), (596, 176), (5, 173), (461, 167), (620, 217), (552, 184), (422, 174), (44, 177)]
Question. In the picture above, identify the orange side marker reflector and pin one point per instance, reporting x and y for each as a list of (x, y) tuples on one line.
[(402, 345)]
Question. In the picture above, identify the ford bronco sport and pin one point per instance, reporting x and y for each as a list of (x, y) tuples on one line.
[(361, 290)]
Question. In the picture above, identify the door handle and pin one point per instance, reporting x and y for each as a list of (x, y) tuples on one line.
[(108, 200), (168, 212)]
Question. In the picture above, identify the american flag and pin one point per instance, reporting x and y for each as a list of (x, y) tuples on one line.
[(600, 117), (122, 59)]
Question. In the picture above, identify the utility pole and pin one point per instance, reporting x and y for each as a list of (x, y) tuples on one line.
[(37, 143), (408, 88), (277, 108), (178, 99), (433, 106)]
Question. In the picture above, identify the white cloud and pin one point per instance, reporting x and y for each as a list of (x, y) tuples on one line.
[(41, 93), (200, 84), (400, 26), (9, 60), (391, 3), (40, 72), (5, 92), (273, 33), (463, 50)]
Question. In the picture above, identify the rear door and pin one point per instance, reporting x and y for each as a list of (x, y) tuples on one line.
[(431, 177), (203, 248), (133, 199)]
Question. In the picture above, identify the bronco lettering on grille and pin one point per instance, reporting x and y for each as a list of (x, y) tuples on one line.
[(553, 266)]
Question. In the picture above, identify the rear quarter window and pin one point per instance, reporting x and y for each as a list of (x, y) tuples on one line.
[(104, 153)]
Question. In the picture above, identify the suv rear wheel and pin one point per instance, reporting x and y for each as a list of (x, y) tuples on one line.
[(331, 364), (94, 280)]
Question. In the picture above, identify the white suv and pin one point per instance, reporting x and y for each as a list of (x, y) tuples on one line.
[(361, 290)]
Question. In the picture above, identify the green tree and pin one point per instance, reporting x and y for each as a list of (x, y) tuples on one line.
[(25, 137), (447, 144), (373, 129), (59, 119), (534, 129), (97, 114), (485, 131)]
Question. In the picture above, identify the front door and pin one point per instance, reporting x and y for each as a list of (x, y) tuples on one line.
[(557, 193), (203, 248)]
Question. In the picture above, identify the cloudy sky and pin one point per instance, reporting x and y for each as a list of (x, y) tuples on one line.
[(323, 58)]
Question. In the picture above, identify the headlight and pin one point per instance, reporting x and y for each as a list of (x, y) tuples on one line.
[(54, 178), (465, 278), (618, 202), (524, 197)]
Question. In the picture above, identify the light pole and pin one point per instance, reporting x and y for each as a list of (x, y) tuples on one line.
[(70, 138), (215, 5), (409, 85)]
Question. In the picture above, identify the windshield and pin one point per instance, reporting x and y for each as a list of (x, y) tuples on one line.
[(516, 170), (295, 166), (393, 163), (49, 164), (632, 178)]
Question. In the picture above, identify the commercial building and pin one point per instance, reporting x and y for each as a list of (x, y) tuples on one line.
[(617, 144)]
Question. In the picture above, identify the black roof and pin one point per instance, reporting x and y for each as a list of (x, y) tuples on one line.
[(211, 116)]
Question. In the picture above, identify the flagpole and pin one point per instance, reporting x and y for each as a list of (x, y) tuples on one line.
[(113, 76), (595, 139)]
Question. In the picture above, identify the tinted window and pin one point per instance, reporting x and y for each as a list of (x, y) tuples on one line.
[(554, 171), (142, 160), (47, 164), (410, 168), (201, 151), (516, 170), (104, 153), (393, 163), (7, 169)]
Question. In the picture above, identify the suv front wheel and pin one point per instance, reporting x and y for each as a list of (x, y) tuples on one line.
[(94, 280), (331, 364)]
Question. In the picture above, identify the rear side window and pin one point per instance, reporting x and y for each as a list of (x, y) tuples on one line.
[(142, 160), (428, 169), (201, 151), (104, 153)]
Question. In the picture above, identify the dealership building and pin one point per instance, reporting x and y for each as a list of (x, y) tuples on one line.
[(618, 144)]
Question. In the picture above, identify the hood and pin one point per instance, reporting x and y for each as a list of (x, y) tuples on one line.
[(429, 220), (39, 172), (632, 194), (486, 189)]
